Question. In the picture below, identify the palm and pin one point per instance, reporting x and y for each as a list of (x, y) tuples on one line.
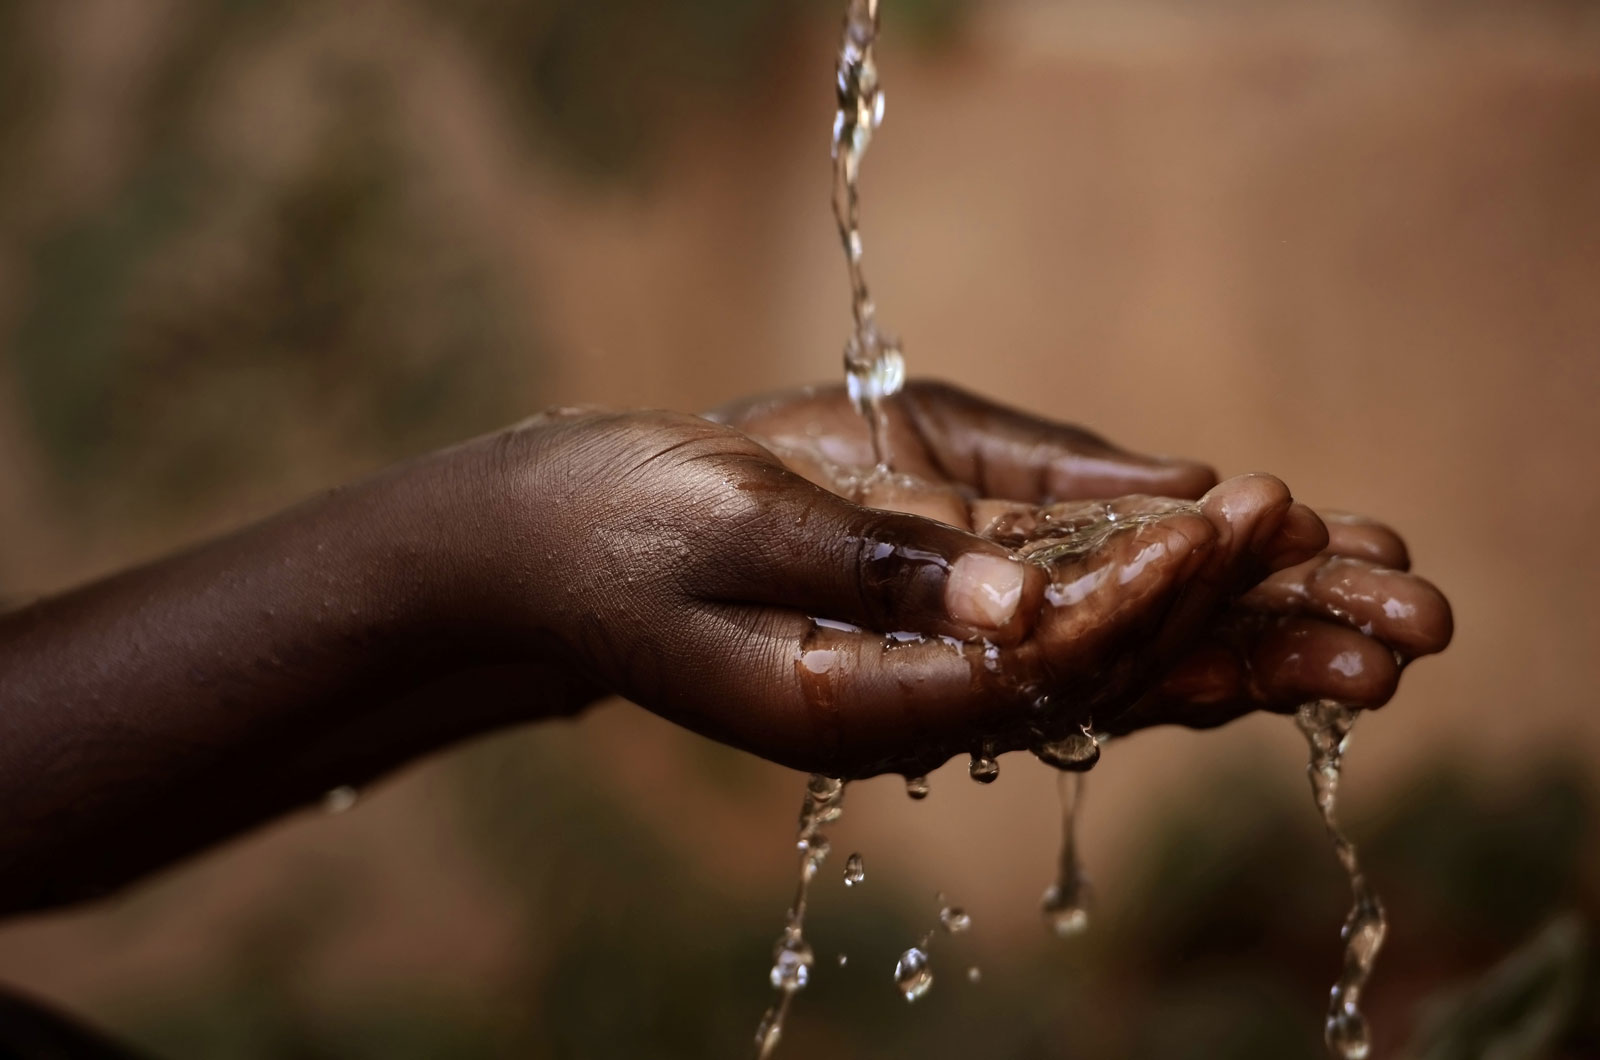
[(1340, 625)]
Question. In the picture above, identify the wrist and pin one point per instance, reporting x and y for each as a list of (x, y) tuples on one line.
[(482, 554)]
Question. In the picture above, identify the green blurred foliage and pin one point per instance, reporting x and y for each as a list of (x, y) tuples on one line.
[(602, 79), (1224, 949), (207, 320)]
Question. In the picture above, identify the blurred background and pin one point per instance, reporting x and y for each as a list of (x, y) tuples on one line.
[(253, 248)]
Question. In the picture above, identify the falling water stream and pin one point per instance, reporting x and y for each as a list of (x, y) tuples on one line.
[(1327, 726), (874, 372)]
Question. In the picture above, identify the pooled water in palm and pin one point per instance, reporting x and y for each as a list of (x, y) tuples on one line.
[(874, 367), (1326, 726), (792, 957)]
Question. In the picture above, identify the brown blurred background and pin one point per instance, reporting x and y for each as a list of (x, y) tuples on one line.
[(251, 248)]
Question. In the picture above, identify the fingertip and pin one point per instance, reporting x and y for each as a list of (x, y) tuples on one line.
[(993, 593), (1305, 659), (1248, 509), (1300, 536)]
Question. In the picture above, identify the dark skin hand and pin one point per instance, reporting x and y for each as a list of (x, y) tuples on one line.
[(680, 562)]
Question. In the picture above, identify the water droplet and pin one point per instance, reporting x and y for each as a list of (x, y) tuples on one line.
[(1076, 753), (844, 959), (913, 975), (814, 852), (854, 871), (1066, 910), (974, 974), (791, 962), (340, 800), (984, 769), (917, 787), (954, 919)]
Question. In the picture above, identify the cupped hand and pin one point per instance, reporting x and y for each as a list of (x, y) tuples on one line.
[(743, 574)]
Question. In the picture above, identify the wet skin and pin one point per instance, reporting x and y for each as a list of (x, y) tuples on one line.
[(681, 562)]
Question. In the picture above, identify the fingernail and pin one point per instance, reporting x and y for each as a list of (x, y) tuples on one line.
[(984, 590)]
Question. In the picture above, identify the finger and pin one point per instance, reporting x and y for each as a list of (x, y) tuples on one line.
[(1302, 659), (1360, 537), (1404, 611), (798, 546), (1133, 594), (1273, 667), (1004, 453)]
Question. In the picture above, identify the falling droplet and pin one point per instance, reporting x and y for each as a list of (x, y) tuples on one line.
[(913, 974), (1077, 752), (1066, 910), (954, 919), (917, 787), (340, 800), (974, 974), (984, 769), (854, 871), (844, 959), (791, 962)]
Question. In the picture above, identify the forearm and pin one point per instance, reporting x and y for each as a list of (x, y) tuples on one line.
[(156, 712)]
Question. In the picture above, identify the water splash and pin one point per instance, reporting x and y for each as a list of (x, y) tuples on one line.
[(1326, 726), (792, 957)]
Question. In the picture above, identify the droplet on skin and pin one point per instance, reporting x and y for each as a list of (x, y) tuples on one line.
[(1076, 752), (913, 975), (854, 870), (340, 800)]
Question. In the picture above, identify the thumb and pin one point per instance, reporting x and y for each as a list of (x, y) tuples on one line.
[(811, 550)]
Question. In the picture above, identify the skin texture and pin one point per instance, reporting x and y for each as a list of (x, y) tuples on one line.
[(681, 562)]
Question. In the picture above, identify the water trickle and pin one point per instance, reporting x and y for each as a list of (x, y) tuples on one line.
[(913, 974), (792, 958), (1326, 726), (917, 788), (1066, 902), (874, 366), (954, 919), (854, 871)]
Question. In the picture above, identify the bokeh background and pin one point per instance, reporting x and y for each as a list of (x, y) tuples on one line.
[(251, 248)]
